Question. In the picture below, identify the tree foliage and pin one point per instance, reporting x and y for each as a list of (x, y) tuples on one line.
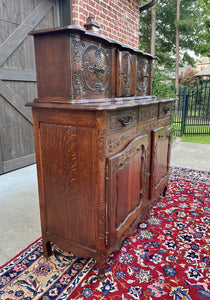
[(192, 27), (187, 77), (203, 47)]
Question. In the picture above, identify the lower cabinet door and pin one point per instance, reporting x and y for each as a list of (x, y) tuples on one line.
[(161, 144), (126, 188)]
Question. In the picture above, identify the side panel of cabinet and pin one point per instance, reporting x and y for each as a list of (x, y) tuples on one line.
[(126, 193), (69, 182), (53, 66), (161, 146)]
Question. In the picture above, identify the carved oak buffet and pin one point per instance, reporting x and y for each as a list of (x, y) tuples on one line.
[(102, 142)]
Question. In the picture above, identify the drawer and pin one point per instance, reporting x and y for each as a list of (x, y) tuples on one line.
[(163, 122), (148, 112), (165, 109), (122, 119)]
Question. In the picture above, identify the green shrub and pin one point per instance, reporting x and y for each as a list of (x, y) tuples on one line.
[(160, 88)]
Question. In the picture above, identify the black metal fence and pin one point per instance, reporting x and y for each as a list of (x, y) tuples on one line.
[(191, 113)]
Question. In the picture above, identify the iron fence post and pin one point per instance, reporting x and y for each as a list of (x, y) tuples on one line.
[(184, 110)]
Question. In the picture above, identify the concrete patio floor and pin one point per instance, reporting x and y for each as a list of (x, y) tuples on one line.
[(19, 213), (191, 155)]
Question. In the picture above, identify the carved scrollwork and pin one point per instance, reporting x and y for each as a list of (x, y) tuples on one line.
[(77, 46), (117, 141), (129, 154), (144, 129), (77, 83)]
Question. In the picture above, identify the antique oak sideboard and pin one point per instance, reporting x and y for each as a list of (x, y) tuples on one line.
[(102, 141)]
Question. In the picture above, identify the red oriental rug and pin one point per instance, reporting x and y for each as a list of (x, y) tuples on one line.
[(168, 256)]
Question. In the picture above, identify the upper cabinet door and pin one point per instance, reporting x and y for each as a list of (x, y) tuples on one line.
[(91, 76), (143, 75), (161, 143), (126, 188), (126, 73)]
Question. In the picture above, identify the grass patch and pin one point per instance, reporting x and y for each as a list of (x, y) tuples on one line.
[(200, 139)]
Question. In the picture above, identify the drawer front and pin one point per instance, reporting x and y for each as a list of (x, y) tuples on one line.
[(165, 109), (122, 119), (143, 75), (164, 122), (91, 69), (126, 74), (148, 112)]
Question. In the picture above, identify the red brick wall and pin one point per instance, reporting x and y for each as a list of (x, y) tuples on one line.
[(118, 19)]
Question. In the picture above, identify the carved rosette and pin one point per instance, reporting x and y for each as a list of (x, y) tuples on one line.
[(142, 75)]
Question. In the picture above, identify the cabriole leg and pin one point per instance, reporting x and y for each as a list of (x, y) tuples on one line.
[(101, 264)]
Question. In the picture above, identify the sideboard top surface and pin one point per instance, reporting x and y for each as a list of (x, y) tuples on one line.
[(115, 104)]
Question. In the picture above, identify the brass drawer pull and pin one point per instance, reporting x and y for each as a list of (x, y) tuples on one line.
[(166, 109), (125, 121)]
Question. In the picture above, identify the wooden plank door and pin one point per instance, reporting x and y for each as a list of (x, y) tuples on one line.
[(18, 78)]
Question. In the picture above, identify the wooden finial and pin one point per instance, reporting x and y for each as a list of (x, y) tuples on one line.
[(91, 25)]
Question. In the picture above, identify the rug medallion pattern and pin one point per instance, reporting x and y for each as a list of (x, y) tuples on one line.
[(168, 256)]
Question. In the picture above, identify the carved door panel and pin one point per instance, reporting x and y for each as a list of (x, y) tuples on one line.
[(126, 65), (161, 142), (127, 187), (91, 69), (143, 76)]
